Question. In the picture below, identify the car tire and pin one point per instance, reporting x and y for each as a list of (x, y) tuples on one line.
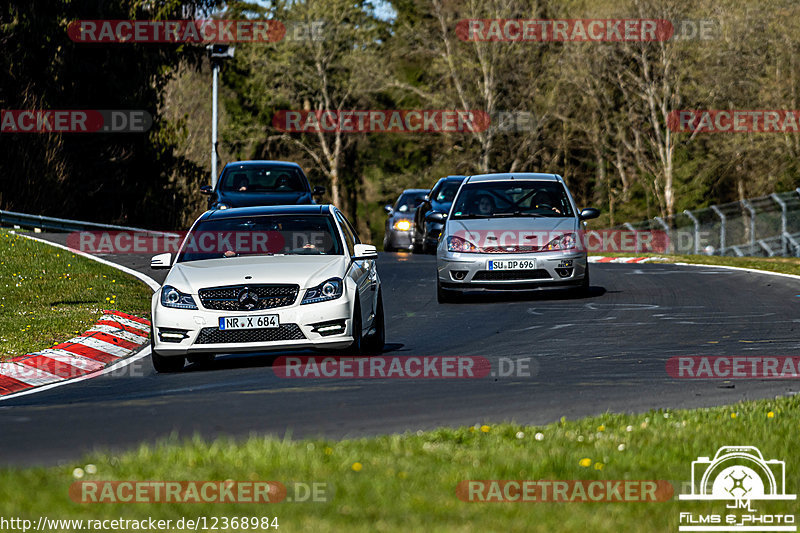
[(426, 247), (444, 296), (201, 360), (357, 346), (375, 342), (163, 364), (583, 288)]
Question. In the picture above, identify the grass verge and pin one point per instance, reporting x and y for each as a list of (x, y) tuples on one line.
[(48, 295), (407, 482), (784, 265)]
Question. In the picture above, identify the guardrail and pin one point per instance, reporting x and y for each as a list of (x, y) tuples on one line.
[(767, 226), (24, 220)]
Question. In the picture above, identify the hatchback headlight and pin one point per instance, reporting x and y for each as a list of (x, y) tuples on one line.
[(562, 242), (457, 244), (402, 225), (172, 297), (328, 290)]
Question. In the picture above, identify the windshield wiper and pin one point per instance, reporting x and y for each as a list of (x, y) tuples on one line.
[(515, 214)]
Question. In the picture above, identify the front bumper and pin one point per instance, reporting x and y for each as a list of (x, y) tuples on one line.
[(468, 271), (201, 333), (400, 239)]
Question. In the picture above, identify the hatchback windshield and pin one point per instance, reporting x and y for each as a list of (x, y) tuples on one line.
[(446, 192), (260, 179), (512, 198), (409, 201), (262, 235)]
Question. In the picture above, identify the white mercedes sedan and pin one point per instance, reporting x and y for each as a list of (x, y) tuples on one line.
[(258, 279)]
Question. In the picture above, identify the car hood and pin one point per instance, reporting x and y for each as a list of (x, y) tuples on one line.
[(512, 224), (442, 207), (305, 271), (402, 216), (249, 199)]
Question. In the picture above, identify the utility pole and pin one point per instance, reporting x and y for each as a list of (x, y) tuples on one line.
[(218, 54)]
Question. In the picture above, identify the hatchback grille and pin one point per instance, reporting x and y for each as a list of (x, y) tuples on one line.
[(286, 332), (269, 297), (522, 249), (510, 275)]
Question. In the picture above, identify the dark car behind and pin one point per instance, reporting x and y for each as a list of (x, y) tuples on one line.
[(400, 222), (255, 183), (429, 217)]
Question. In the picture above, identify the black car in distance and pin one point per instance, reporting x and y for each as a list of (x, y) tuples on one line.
[(254, 183), (430, 215)]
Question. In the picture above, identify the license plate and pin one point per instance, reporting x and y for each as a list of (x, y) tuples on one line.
[(513, 264), (249, 322)]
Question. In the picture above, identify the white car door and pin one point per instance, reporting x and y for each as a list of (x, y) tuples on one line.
[(362, 272)]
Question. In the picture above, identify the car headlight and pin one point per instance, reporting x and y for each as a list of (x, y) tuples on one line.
[(328, 290), (457, 244), (402, 225), (562, 242), (172, 297)]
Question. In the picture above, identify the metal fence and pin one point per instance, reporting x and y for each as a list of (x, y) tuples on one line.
[(24, 220), (767, 226)]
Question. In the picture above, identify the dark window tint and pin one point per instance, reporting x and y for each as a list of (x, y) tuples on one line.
[(261, 179)]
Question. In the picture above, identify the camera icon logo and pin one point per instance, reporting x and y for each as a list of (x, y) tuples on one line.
[(738, 473)]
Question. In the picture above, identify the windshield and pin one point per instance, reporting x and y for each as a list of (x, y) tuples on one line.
[(263, 235), (446, 192), (513, 198), (409, 201), (260, 179)]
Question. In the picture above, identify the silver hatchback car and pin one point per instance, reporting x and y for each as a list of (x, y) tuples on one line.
[(514, 231)]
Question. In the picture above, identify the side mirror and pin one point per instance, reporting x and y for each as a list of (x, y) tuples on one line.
[(418, 202), (318, 191), (388, 209), (206, 189), (589, 212), (161, 261), (435, 216), (364, 251)]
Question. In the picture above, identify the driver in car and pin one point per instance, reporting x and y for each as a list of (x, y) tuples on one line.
[(485, 205), (543, 200), (241, 183)]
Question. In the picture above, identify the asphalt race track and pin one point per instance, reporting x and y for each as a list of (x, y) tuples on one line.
[(589, 355)]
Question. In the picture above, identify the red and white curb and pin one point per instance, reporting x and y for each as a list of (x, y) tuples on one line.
[(114, 337), (601, 259)]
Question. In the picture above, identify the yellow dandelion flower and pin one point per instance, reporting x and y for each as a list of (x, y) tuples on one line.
[(485, 428), (733, 415), (357, 467), (585, 462), (601, 428), (770, 415)]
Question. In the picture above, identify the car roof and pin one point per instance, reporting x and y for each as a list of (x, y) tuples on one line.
[(528, 176), (258, 162), (454, 177), (412, 191), (264, 210)]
